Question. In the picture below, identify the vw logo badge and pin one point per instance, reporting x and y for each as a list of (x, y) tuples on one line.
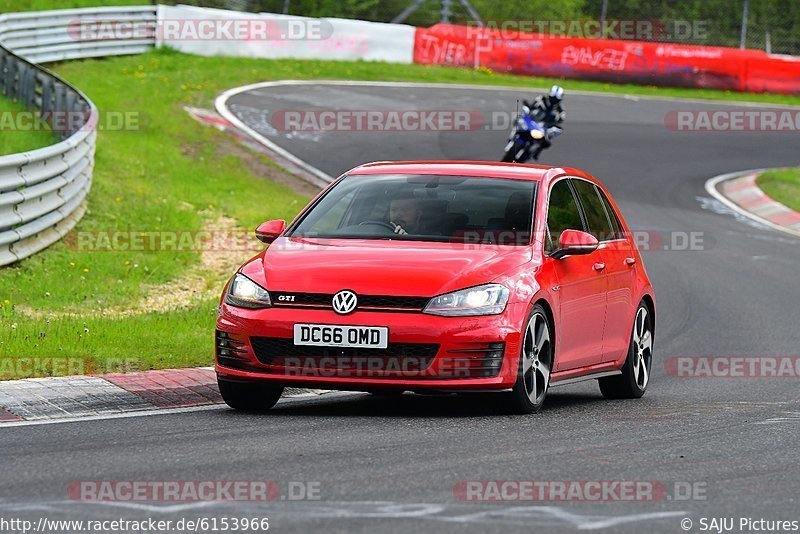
[(344, 302)]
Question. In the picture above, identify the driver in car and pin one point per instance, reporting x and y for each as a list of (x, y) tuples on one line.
[(405, 214)]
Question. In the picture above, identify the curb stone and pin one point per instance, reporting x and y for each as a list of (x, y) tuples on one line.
[(37, 399), (740, 192)]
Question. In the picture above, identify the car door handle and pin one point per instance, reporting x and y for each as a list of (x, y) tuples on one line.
[(630, 262), (599, 266)]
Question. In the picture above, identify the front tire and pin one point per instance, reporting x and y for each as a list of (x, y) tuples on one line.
[(535, 365), (635, 377), (511, 154), (249, 396)]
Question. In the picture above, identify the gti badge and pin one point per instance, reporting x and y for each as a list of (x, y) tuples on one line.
[(344, 302)]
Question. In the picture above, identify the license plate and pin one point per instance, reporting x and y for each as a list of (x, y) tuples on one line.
[(322, 335)]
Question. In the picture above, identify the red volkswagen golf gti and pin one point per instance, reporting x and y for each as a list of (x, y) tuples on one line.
[(441, 276)]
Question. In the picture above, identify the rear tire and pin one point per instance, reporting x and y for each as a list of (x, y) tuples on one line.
[(249, 396), (535, 365), (635, 377)]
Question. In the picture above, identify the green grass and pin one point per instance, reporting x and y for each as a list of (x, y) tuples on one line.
[(13, 140), (782, 185), (179, 339), (170, 174)]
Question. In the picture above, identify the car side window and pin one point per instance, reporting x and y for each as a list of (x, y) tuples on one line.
[(596, 218), (562, 214), (612, 216)]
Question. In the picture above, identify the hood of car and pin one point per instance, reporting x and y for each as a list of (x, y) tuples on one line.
[(385, 267)]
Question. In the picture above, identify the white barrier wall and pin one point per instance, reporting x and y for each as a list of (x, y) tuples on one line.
[(334, 39), (46, 36)]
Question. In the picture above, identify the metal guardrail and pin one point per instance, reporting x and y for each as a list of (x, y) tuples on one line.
[(43, 192)]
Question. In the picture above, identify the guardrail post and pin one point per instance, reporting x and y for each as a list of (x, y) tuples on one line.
[(29, 87), (47, 94), (10, 77)]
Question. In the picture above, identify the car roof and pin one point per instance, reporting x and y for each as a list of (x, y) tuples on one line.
[(482, 169)]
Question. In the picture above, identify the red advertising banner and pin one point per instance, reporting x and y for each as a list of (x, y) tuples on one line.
[(773, 74), (609, 60)]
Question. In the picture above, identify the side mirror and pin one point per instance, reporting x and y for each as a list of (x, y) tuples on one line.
[(575, 243), (270, 231)]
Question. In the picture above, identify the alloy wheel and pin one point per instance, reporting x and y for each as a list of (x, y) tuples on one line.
[(643, 348), (536, 358)]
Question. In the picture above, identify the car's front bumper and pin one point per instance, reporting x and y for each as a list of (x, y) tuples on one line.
[(425, 352)]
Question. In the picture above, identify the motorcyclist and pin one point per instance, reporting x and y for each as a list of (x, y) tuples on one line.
[(547, 109)]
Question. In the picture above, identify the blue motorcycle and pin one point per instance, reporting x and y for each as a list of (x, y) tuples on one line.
[(525, 138)]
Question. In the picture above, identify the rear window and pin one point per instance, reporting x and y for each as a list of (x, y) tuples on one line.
[(424, 208)]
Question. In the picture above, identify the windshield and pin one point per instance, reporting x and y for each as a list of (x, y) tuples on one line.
[(457, 209)]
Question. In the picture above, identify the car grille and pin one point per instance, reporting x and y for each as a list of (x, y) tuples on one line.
[(365, 302), (396, 359)]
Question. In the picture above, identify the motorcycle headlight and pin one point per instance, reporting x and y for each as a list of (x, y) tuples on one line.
[(489, 299), (244, 293), (537, 134)]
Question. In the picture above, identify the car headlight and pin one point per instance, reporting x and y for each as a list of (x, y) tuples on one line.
[(489, 299), (245, 293)]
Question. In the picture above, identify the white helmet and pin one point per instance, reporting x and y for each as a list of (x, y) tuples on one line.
[(556, 93)]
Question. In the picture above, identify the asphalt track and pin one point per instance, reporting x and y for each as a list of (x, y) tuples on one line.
[(391, 465)]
